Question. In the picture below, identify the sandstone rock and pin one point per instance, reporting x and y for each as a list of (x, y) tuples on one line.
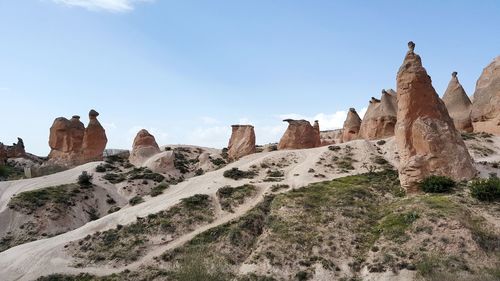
[(16, 150), (380, 117), (3, 154), (242, 141), (143, 148), (162, 162), (300, 134), (458, 104), (330, 137), (351, 127), (94, 140), (72, 144), (427, 140), (485, 112)]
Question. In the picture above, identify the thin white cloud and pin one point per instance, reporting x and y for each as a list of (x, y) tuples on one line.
[(117, 6)]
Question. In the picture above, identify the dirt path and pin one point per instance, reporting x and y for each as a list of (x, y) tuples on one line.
[(44, 257)]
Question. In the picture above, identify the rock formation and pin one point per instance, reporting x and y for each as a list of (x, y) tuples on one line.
[(3, 154), (242, 141), (94, 140), (16, 150), (485, 112), (380, 117), (73, 144), (330, 137), (143, 148), (299, 134), (351, 127), (427, 140), (458, 104)]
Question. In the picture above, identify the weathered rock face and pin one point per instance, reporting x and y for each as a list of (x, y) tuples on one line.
[(94, 140), (300, 134), (16, 150), (380, 117), (330, 137), (485, 112), (3, 154), (242, 141), (73, 144), (143, 148), (427, 140), (351, 127), (458, 104)]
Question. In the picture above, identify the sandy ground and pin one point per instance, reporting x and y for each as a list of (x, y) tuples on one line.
[(43, 257)]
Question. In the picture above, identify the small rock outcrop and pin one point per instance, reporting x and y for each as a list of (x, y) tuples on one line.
[(72, 144), (458, 104), (299, 134), (351, 127), (143, 148), (16, 150), (242, 141), (3, 154), (380, 117), (330, 137), (427, 140), (485, 112)]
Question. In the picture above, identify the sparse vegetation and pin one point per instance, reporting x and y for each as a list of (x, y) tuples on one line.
[(237, 174), (486, 189), (30, 201), (135, 200), (230, 197), (85, 179), (127, 243), (437, 184), (158, 189), (218, 162)]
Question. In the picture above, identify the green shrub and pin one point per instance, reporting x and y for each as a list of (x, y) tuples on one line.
[(157, 190), (196, 201), (85, 179), (437, 184), (100, 168), (275, 173), (114, 178), (218, 161), (486, 189), (334, 148), (237, 174), (136, 200), (199, 172)]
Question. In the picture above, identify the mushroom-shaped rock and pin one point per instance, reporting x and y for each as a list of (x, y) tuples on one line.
[(352, 124), (458, 104), (242, 141), (144, 147), (485, 112), (380, 117), (94, 140), (299, 134), (427, 140)]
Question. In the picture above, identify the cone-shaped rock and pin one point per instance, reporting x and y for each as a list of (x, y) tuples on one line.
[(458, 104), (299, 134), (143, 148), (352, 124), (242, 141), (94, 139), (380, 117), (427, 140), (486, 102)]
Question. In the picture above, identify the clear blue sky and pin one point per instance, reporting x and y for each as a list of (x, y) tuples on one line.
[(188, 69)]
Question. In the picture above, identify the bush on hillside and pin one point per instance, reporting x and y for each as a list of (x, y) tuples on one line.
[(437, 184), (486, 189)]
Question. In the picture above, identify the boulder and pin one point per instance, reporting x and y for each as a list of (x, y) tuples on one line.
[(426, 138), (143, 148), (94, 139), (380, 117), (485, 113), (299, 134), (242, 141), (458, 104), (161, 162), (351, 127)]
